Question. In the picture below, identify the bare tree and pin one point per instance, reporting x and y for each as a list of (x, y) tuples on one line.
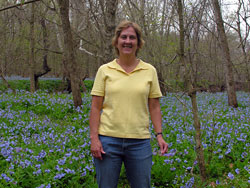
[(18, 4), (45, 66), (92, 27), (109, 11), (228, 66), (69, 52), (6, 82), (32, 49), (34, 75), (4, 52), (190, 86), (242, 39)]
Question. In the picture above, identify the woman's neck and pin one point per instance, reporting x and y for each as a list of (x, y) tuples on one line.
[(128, 63), (127, 60)]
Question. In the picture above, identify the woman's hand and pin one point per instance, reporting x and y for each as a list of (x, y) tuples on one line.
[(155, 112), (94, 121), (163, 145), (96, 148)]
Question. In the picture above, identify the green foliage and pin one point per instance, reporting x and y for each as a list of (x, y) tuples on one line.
[(175, 85), (159, 176), (17, 84), (44, 85), (203, 83), (88, 84)]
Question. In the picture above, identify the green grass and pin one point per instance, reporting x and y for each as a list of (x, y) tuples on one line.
[(44, 85)]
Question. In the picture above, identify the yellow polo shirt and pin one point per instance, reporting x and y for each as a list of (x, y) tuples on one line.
[(125, 111)]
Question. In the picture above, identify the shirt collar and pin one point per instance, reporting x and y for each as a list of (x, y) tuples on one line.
[(114, 65)]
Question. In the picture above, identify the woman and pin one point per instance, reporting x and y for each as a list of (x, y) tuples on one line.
[(125, 91)]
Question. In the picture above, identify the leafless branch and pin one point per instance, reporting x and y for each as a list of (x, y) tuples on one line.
[(18, 4), (87, 52)]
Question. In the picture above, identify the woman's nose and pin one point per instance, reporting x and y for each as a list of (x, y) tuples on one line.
[(127, 40)]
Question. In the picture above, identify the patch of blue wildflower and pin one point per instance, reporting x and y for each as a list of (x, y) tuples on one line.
[(44, 142)]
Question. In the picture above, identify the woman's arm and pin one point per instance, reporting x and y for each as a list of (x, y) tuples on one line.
[(94, 121), (155, 113)]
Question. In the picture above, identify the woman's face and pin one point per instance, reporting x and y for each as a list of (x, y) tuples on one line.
[(127, 43)]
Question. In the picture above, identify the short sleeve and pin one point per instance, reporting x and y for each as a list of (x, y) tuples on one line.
[(99, 83), (155, 91)]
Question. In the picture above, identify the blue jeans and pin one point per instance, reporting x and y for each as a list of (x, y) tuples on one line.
[(136, 154)]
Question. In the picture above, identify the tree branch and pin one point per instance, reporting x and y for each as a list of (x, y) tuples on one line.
[(52, 51), (87, 52), (18, 4)]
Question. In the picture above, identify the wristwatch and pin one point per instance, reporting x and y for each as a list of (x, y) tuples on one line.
[(160, 133)]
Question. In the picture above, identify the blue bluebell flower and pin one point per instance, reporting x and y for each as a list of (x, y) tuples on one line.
[(69, 171), (230, 175), (237, 171), (37, 172), (62, 161), (173, 169), (6, 178), (59, 176)]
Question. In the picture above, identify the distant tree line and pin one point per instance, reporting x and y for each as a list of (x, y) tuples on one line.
[(34, 33)]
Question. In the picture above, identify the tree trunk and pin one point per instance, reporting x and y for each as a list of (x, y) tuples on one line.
[(182, 46), (32, 47), (46, 68), (69, 52), (6, 82), (243, 47), (228, 66), (192, 94), (162, 83), (109, 21), (198, 146), (82, 83)]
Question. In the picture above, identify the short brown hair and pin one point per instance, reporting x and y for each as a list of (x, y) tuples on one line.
[(124, 25)]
